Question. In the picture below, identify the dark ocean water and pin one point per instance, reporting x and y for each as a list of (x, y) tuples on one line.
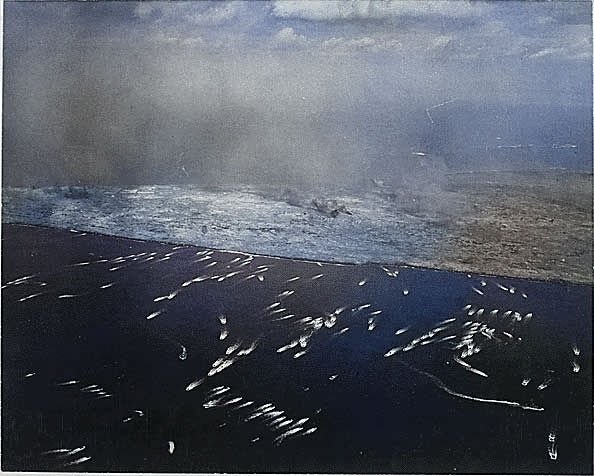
[(128, 355)]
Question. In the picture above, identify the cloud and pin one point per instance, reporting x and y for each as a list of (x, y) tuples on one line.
[(196, 13), (288, 36), (347, 46), (369, 9), (217, 14)]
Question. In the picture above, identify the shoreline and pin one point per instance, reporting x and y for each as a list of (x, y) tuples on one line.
[(533, 225), (446, 267)]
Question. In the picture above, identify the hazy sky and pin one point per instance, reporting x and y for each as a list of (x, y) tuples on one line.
[(291, 92)]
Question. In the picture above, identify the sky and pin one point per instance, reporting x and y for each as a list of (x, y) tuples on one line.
[(292, 92)]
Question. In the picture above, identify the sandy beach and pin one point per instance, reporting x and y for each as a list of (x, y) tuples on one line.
[(532, 225)]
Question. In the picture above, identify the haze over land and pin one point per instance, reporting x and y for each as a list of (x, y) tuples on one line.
[(292, 93)]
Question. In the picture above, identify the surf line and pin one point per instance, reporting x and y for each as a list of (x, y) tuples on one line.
[(446, 389)]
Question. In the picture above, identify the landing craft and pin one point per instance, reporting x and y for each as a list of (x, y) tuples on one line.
[(302, 421), (31, 296), (270, 414), (218, 362), (212, 403), (284, 423), (575, 349), (288, 346), (233, 348), (56, 451), (462, 363), (516, 316), (75, 450), (266, 407), (78, 461), (553, 452), (341, 331), (221, 367), (330, 321), (575, 367), (446, 321), (191, 386), (245, 404), (249, 349), (280, 309), (544, 384), (502, 287), (339, 310), (252, 416), (233, 400), (310, 430), (218, 391), (393, 351), (279, 439), (154, 314), (361, 307), (477, 371), (282, 318)]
